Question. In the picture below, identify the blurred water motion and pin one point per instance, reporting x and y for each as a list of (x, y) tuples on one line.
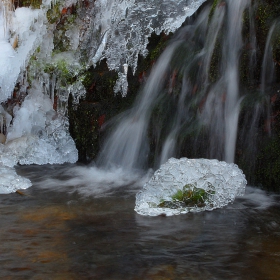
[(61, 233)]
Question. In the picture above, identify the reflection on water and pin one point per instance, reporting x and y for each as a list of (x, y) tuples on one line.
[(72, 234)]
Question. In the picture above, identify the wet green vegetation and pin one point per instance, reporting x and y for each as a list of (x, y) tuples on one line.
[(189, 196)]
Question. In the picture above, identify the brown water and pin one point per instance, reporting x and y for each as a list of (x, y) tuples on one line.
[(60, 233)]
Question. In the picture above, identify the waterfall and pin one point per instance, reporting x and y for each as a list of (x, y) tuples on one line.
[(128, 145), (267, 64), (210, 100), (45, 50), (231, 52), (189, 106)]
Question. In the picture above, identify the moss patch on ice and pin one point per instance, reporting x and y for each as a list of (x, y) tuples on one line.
[(189, 196)]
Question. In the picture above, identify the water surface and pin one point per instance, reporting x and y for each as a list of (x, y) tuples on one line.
[(65, 227)]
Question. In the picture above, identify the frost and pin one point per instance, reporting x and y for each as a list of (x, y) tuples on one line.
[(221, 181), (119, 30)]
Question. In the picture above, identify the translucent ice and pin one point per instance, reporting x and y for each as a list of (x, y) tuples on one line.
[(10, 181), (119, 29), (216, 182), (28, 34), (39, 134)]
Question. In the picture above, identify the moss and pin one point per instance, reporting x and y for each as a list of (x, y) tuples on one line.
[(54, 13), (159, 43), (63, 19), (189, 196), (84, 128), (213, 7), (35, 4), (99, 105), (214, 71)]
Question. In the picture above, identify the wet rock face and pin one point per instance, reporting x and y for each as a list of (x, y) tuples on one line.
[(100, 104)]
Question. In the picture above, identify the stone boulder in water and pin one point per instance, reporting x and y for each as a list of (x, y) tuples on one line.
[(190, 185)]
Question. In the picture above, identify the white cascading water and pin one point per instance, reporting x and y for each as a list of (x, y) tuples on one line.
[(220, 100), (127, 146), (38, 134), (268, 65), (231, 52)]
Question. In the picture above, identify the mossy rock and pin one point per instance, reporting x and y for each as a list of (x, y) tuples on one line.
[(84, 128), (35, 4), (189, 196)]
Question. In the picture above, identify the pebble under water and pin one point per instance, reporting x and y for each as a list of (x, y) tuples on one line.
[(59, 229)]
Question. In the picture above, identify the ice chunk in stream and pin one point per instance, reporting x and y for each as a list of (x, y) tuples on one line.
[(212, 183), (10, 181)]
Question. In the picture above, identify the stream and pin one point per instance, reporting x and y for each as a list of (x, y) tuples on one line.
[(62, 229)]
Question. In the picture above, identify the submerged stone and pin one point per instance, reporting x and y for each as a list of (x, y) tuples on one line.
[(190, 185)]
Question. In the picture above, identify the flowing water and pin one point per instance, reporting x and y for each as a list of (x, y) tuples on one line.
[(186, 94), (64, 228), (78, 222)]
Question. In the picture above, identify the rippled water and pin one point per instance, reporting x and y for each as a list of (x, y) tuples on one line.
[(67, 226)]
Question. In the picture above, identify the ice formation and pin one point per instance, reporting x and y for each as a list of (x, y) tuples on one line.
[(223, 181), (126, 25), (10, 181), (38, 134), (25, 26)]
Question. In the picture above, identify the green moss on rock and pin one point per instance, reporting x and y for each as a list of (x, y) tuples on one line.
[(189, 196)]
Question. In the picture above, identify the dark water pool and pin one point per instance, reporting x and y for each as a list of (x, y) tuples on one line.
[(58, 232)]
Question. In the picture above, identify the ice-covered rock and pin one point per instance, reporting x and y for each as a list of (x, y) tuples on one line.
[(10, 181), (216, 183), (119, 30), (39, 134)]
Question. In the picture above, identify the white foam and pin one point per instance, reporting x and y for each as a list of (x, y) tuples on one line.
[(93, 181)]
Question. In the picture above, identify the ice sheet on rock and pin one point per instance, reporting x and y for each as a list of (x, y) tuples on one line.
[(119, 30), (227, 179), (10, 181), (27, 26), (39, 135)]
